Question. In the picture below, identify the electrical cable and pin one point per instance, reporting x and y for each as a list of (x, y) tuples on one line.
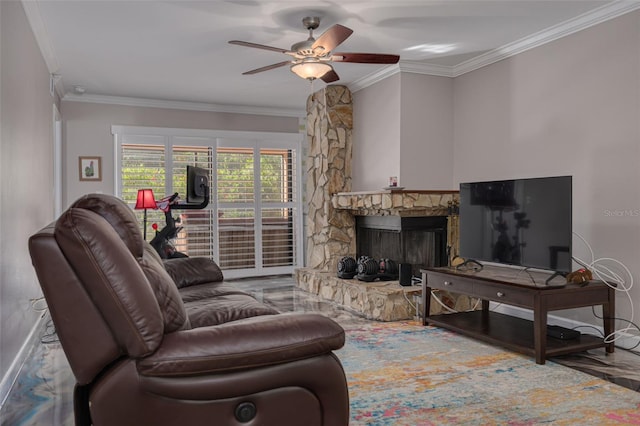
[(34, 303), (50, 335), (526, 269), (437, 299), (415, 308), (614, 281), (615, 319), (453, 311)]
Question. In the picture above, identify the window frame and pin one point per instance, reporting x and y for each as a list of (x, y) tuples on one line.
[(219, 139)]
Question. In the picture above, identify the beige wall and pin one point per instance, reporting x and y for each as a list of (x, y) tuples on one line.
[(403, 126), (376, 135), (26, 174), (426, 132), (571, 107), (87, 132)]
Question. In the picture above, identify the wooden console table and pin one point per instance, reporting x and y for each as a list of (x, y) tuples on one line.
[(523, 289)]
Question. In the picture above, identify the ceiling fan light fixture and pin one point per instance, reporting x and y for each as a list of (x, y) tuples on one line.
[(311, 70)]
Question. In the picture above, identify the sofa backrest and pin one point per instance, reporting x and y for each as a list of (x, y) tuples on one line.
[(113, 279), (123, 220)]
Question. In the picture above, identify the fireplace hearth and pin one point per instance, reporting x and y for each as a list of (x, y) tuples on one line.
[(417, 227)]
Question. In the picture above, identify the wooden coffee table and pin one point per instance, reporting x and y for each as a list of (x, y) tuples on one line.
[(523, 289)]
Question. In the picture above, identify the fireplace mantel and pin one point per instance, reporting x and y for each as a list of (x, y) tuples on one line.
[(397, 202)]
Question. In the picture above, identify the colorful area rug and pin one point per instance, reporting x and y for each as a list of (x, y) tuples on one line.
[(407, 374)]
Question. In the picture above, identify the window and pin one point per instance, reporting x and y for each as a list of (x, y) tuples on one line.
[(252, 225)]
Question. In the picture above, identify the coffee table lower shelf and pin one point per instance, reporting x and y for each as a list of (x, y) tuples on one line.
[(510, 332)]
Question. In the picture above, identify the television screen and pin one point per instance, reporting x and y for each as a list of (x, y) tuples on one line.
[(525, 222), (197, 184)]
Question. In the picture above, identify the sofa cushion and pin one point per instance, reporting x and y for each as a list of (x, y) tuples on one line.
[(208, 290), (225, 308), (173, 312), (190, 271)]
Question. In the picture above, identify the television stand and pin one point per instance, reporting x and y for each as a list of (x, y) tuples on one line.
[(555, 274), (476, 266), (508, 286)]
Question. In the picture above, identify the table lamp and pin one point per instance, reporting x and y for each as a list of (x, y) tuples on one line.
[(145, 201)]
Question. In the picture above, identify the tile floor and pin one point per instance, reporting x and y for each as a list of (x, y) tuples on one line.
[(42, 394)]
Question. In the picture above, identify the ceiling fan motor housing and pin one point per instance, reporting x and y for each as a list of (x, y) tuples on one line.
[(311, 22)]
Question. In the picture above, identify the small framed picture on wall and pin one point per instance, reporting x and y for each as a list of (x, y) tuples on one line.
[(90, 168)]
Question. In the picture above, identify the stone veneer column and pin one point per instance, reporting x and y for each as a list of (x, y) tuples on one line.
[(330, 232)]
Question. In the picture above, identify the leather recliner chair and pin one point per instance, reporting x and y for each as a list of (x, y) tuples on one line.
[(137, 360)]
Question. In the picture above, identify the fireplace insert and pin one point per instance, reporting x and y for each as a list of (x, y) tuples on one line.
[(419, 241)]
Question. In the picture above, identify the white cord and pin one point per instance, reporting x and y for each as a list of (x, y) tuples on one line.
[(409, 301), (476, 305), (35, 302), (609, 277), (453, 311)]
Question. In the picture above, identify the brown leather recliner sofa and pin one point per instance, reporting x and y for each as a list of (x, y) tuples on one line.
[(146, 352)]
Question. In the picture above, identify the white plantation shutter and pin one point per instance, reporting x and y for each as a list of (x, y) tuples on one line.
[(278, 195), (252, 225), (143, 166), (236, 212)]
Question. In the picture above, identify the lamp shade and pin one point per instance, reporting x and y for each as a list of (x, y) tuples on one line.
[(311, 70), (145, 200)]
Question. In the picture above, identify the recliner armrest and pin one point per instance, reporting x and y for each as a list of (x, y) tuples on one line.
[(244, 344)]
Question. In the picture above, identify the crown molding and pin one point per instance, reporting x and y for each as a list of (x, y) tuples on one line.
[(191, 106), (416, 67), (373, 78), (584, 21)]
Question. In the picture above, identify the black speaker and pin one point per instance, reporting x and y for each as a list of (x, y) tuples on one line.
[(405, 274)]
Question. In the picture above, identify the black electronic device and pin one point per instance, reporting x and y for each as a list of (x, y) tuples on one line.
[(524, 222), (562, 333), (197, 199), (405, 274), (197, 184)]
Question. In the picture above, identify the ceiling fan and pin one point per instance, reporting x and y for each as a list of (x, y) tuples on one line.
[(312, 57)]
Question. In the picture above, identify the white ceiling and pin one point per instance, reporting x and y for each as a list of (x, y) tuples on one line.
[(178, 50)]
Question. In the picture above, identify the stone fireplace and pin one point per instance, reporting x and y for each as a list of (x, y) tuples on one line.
[(428, 218)]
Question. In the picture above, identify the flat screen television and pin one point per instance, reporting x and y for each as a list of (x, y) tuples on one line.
[(524, 222), (197, 184)]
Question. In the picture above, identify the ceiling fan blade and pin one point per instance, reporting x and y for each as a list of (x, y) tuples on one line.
[(332, 37), (330, 77), (257, 46), (365, 58), (267, 68)]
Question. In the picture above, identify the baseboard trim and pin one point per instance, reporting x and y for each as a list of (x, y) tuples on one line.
[(624, 341), (11, 376)]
